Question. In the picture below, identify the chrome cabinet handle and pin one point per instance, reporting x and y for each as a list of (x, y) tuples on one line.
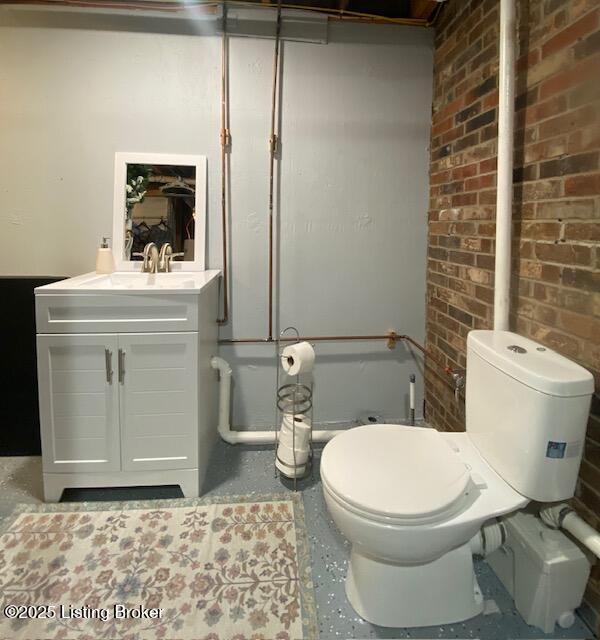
[(108, 363), (121, 366)]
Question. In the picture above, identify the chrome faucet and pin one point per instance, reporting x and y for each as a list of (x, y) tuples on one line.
[(165, 257), (150, 255)]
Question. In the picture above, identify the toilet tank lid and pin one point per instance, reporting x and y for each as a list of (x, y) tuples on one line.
[(531, 363)]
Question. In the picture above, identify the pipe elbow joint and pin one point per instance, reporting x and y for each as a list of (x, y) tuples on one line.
[(221, 365), (553, 515)]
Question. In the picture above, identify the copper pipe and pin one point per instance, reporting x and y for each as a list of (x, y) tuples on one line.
[(225, 140), (170, 7), (304, 339), (341, 14), (273, 144), (391, 338)]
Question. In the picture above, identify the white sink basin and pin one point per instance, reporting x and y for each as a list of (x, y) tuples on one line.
[(133, 282), (126, 280)]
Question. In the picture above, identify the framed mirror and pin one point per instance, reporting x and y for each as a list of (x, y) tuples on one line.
[(159, 198)]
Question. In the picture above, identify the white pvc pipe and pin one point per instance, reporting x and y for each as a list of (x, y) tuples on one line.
[(222, 366), (504, 194), (248, 437), (561, 515), (579, 528)]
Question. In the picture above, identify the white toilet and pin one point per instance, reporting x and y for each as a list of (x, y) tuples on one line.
[(410, 500)]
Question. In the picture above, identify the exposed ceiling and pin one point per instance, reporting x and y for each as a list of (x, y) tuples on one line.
[(419, 12), (382, 9)]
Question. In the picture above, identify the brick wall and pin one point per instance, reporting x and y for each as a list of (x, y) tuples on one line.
[(556, 250)]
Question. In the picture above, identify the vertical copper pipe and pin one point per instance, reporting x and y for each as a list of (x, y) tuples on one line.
[(224, 147), (273, 144)]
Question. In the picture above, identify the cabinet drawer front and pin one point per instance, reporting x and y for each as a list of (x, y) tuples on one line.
[(79, 403), (159, 401), (115, 313)]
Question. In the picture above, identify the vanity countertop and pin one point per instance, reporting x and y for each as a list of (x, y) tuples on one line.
[(132, 282)]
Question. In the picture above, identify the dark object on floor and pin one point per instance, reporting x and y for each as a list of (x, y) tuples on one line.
[(20, 433), (109, 494)]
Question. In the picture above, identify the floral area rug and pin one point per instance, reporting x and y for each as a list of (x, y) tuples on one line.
[(234, 568)]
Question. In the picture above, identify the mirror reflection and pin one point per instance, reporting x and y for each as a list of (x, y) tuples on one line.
[(159, 207)]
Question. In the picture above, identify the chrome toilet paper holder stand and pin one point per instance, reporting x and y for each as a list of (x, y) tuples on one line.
[(293, 399)]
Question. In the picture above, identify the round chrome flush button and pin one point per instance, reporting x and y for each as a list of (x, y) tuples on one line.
[(515, 348), (540, 348)]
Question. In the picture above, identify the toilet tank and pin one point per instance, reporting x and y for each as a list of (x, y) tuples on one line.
[(526, 412)]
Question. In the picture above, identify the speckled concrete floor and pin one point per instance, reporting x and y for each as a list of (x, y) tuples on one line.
[(236, 470)]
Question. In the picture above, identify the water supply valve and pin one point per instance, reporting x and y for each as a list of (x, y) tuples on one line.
[(459, 377)]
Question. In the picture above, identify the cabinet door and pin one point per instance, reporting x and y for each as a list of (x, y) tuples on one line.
[(159, 400), (79, 402)]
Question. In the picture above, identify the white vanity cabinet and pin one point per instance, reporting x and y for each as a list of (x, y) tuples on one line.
[(127, 394), (79, 403), (158, 396)]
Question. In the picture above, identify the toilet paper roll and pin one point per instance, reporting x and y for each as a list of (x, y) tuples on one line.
[(290, 471), (298, 436), (298, 419), (298, 358), (290, 456)]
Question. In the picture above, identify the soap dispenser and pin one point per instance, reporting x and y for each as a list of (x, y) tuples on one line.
[(105, 261)]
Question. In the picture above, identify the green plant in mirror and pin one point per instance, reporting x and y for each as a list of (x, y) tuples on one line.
[(136, 185)]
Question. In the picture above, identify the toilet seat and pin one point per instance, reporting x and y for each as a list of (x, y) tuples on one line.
[(395, 474)]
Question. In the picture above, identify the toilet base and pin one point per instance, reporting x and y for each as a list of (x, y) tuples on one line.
[(390, 595)]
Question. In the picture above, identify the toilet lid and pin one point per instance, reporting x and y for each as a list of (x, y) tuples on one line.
[(394, 471)]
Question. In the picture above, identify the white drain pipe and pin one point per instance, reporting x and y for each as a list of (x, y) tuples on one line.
[(489, 538), (559, 515), (504, 185), (562, 516), (248, 437)]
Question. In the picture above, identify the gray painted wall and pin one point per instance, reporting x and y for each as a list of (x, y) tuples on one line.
[(352, 195)]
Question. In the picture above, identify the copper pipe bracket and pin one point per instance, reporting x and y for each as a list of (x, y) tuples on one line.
[(274, 144), (392, 340), (225, 138)]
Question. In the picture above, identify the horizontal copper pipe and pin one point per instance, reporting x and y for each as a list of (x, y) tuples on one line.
[(171, 7), (305, 339), (390, 337)]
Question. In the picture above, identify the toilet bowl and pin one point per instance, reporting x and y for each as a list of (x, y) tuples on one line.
[(411, 499), (409, 546)]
